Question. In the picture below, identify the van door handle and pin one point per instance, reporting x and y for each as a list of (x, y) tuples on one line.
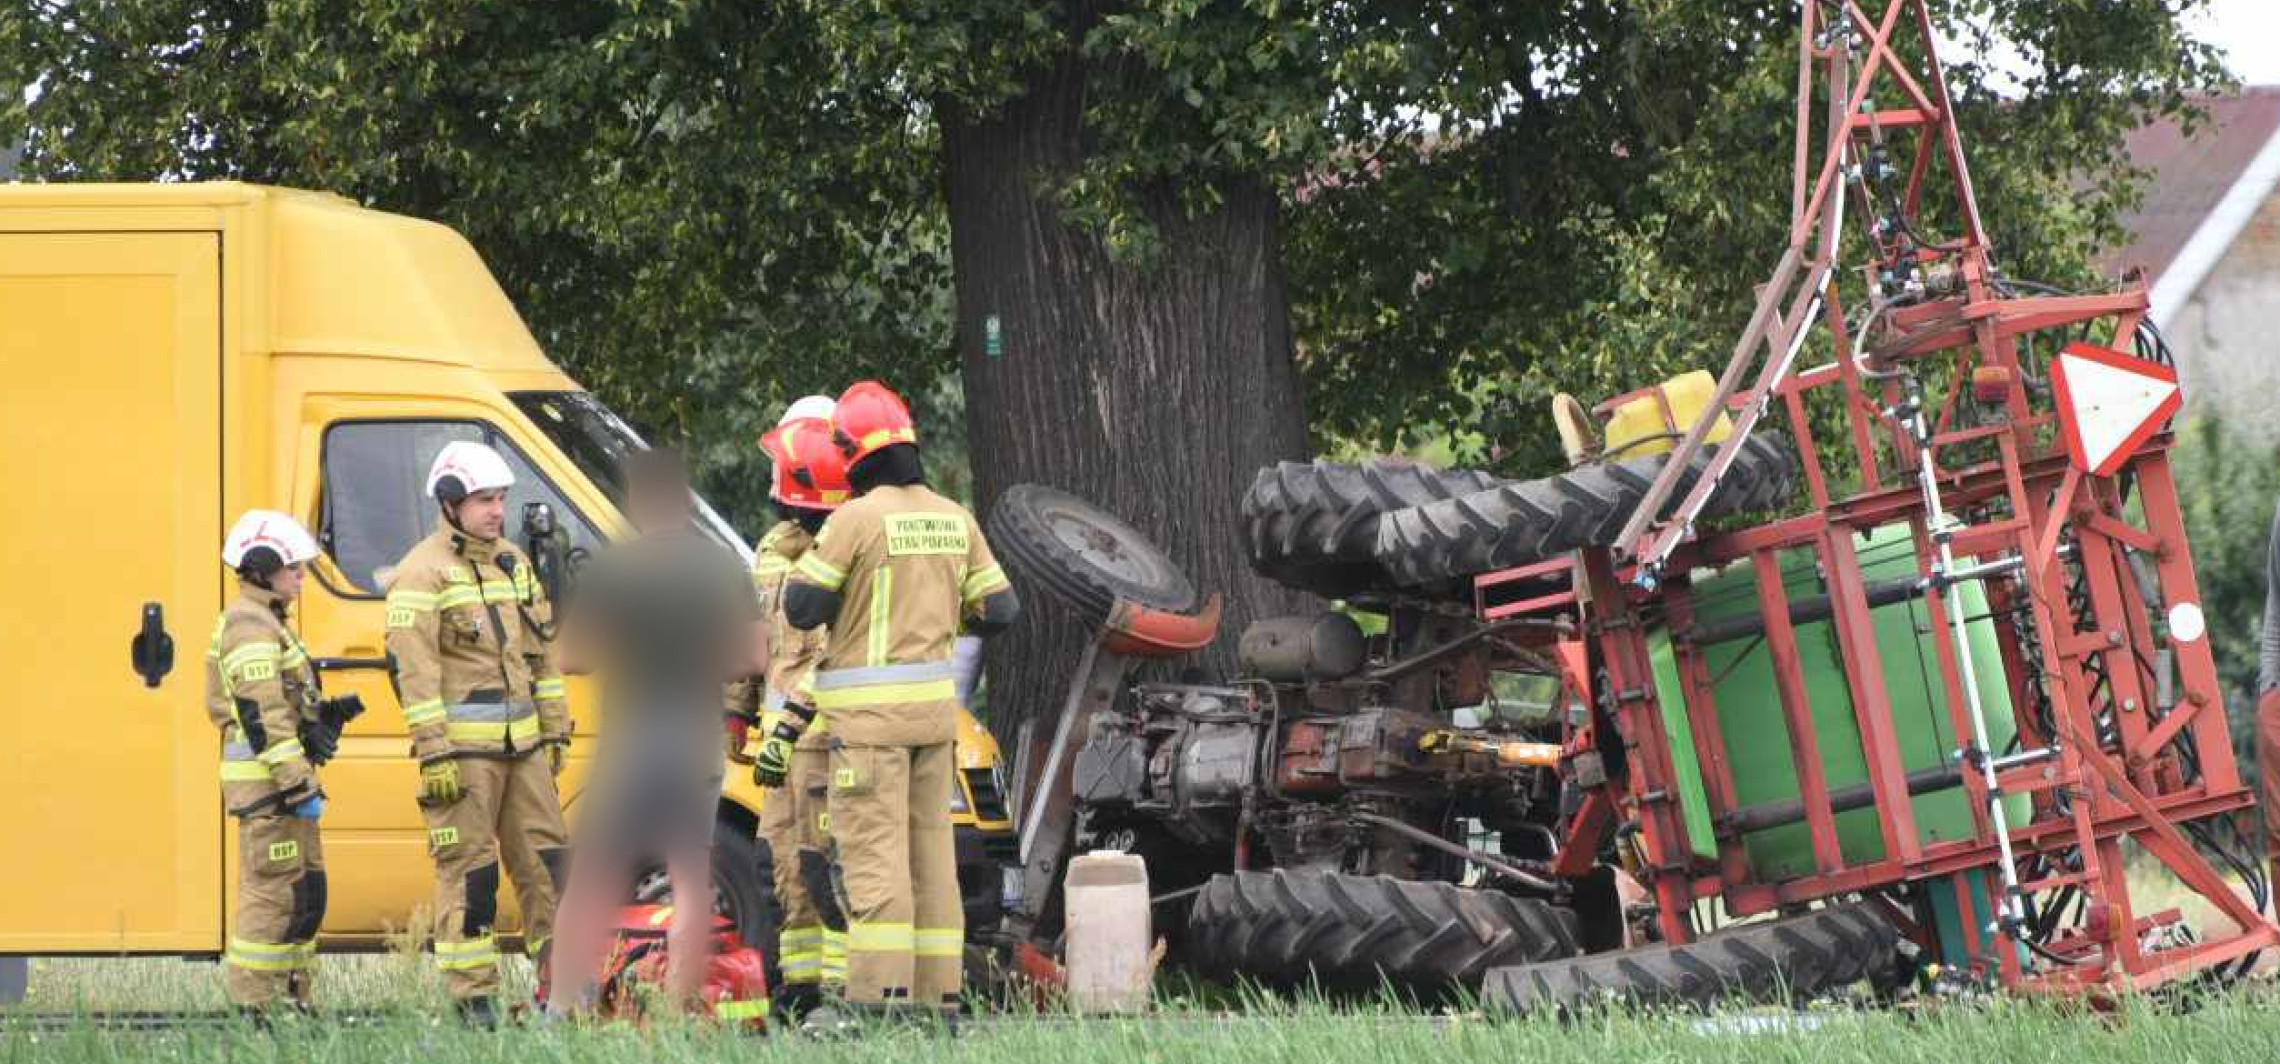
[(152, 650)]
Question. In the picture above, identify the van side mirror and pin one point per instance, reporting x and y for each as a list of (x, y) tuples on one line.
[(548, 548)]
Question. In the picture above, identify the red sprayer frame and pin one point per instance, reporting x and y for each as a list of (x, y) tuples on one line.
[(2131, 742)]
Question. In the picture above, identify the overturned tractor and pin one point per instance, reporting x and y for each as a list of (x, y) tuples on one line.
[(1909, 680)]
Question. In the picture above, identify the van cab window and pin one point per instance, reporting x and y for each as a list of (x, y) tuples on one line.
[(375, 504), (597, 441)]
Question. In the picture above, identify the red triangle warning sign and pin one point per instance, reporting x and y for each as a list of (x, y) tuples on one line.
[(2109, 403)]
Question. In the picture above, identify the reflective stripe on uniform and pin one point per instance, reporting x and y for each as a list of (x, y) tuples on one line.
[(824, 574), (802, 967), (251, 663), (281, 751), (490, 712), (520, 731), (770, 565), (421, 714), (309, 954), (552, 688), (265, 956), (244, 772), (882, 614), (939, 942), (837, 679), (404, 607), (887, 694), (461, 956), (239, 765), (880, 938), (983, 582), (501, 591), (741, 1010), (834, 956)]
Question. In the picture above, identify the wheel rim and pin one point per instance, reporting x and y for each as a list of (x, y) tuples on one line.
[(1111, 547)]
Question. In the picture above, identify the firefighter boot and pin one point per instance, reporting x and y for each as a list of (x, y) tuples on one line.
[(479, 1013)]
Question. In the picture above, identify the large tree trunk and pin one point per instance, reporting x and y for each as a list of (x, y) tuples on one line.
[(1156, 391)]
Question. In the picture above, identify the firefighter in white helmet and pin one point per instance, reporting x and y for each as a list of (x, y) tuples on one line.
[(262, 693), (788, 754), (467, 633)]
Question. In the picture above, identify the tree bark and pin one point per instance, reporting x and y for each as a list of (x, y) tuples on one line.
[(1155, 391)]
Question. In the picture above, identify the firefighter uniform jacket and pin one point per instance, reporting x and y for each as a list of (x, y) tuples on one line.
[(793, 654), (260, 688), (467, 634), (908, 565)]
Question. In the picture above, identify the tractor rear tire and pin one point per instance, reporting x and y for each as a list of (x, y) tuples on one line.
[(1084, 555), (1314, 525), (1792, 959), (1359, 935), (1537, 520)]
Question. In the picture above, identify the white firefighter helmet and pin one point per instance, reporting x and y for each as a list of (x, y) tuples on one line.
[(267, 530), (815, 406), (463, 468)]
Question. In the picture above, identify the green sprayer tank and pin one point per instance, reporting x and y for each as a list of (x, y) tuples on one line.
[(1757, 735)]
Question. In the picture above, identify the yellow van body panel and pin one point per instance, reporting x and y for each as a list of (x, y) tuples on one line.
[(177, 354), (110, 433)]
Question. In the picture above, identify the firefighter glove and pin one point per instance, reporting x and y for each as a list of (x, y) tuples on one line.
[(557, 756), (319, 741), (311, 808), (774, 764), (439, 782)]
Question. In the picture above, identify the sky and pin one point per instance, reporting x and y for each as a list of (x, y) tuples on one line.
[(2249, 32)]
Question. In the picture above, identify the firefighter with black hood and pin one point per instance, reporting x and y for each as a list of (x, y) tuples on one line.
[(895, 574), (262, 692), (467, 632)]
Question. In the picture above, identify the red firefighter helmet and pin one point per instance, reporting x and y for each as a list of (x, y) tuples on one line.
[(810, 471), (869, 418)]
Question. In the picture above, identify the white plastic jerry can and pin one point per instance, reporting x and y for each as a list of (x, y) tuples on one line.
[(1109, 932)]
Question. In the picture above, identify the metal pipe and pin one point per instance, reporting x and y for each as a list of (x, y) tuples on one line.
[(1774, 814), (1501, 867), (1822, 607), (1936, 516), (1802, 612)]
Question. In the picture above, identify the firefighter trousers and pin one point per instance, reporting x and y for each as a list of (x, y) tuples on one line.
[(890, 821), (280, 904), (812, 950), (507, 808)]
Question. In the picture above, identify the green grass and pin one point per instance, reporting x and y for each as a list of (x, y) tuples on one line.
[(2244, 1026)]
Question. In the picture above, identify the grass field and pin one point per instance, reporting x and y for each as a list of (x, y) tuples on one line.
[(403, 1026)]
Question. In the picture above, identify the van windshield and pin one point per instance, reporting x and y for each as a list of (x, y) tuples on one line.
[(597, 441)]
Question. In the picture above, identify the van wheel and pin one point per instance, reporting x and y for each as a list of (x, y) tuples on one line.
[(743, 886)]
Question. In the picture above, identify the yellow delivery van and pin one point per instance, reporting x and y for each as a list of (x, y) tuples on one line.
[(174, 355)]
